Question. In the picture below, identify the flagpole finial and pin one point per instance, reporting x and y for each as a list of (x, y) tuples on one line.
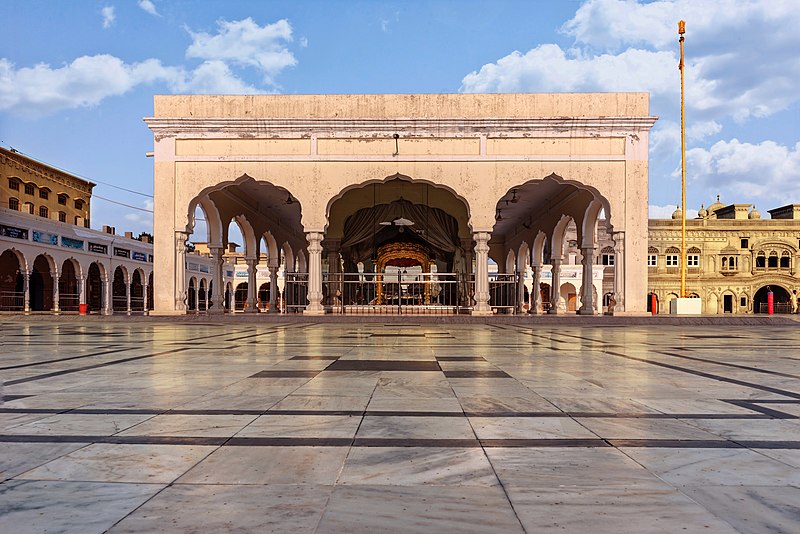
[(681, 27)]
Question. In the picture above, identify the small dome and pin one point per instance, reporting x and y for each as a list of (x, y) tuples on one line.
[(702, 213), (715, 206), (754, 214), (677, 214)]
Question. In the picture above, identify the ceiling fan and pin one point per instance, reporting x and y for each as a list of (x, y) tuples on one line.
[(399, 221)]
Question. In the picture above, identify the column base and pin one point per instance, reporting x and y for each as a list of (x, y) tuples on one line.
[(159, 313), (250, 310), (482, 312), (215, 311), (583, 311), (314, 311)]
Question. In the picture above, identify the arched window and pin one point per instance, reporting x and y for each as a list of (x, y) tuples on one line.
[(13, 184), (62, 216), (673, 257), (44, 193), (44, 212), (62, 199), (785, 259), (28, 189), (724, 263), (28, 208), (13, 204), (772, 261), (607, 256), (761, 260), (78, 204), (693, 258)]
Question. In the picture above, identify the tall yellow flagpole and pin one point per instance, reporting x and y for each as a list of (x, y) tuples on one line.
[(681, 31)]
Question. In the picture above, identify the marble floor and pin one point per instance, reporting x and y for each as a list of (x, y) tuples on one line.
[(219, 426)]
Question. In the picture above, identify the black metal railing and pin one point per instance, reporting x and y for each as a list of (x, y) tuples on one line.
[(12, 301)]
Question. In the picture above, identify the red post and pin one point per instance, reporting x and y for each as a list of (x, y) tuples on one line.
[(653, 304), (770, 303), (83, 309)]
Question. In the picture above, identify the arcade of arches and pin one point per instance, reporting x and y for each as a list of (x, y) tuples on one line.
[(372, 201)]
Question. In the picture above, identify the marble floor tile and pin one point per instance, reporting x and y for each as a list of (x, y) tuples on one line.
[(715, 467), (529, 428), (415, 466), (419, 509), (268, 465), (276, 508), (322, 403), (501, 405), (78, 424), (612, 510), (190, 425), (32, 506), (752, 509), (17, 458), (560, 467), (401, 427), (787, 456), (413, 404), (302, 426), (633, 428), (106, 462), (758, 430)]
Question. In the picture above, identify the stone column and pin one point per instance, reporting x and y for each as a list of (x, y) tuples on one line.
[(536, 294), (520, 292), (180, 271), (218, 266), (252, 290), (273, 289), (587, 296), (482, 274), (26, 291), (81, 291), (144, 295), (619, 272), (555, 285), (314, 274), (107, 308), (466, 244), (56, 279)]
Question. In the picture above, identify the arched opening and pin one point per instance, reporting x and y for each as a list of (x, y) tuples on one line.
[(119, 290), (545, 292), (12, 282), (68, 292), (228, 295), (201, 295), (413, 241), (94, 288), (137, 292), (41, 285), (240, 297), (781, 299), (191, 297), (263, 296), (652, 303), (569, 297), (210, 296), (150, 291)]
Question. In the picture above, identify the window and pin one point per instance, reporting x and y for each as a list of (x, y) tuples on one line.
[(785, 260), (607, 259), (27, 208), (62, 199), (730, 263), (772, 261), (652, 260), (62, 217), (745, 243), (78, 204), (28, 189), (13, 184), (743, 302), (13, 204), (43, 193), (43, 212), (761, 260), (672, 260), (693, 260)]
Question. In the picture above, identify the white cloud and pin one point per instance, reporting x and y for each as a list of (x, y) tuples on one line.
[(741, 56), (303, 42), (766, 171), (149, 7), (245, 43), (88, 80), (665, 212), (141, 221), (108, 16)]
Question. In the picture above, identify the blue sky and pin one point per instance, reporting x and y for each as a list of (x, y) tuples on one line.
[(77, 77)]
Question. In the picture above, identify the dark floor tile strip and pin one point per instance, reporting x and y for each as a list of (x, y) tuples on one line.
[(400, 413), (59, 360), (384, 365), (761, 409), (703, 374), (533, 443), (7, 398), (756, 444), (315, 357), (289, 442), (251, 336), (726, 364), (460, 358), (88, 367), (480, 373), (416, 442), (676, 443), (288, 373), (357, 413)]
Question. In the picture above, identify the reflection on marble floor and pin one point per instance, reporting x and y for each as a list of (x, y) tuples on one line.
[(301, 427)]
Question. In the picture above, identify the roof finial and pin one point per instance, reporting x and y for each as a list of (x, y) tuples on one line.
[(717, 198)]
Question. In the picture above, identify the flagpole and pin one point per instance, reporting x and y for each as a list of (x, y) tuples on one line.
[(681, 31)]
